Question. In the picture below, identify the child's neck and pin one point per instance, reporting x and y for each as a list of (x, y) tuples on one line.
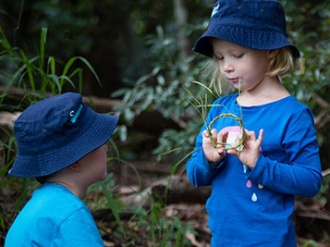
[(70, 186), (263, 94)]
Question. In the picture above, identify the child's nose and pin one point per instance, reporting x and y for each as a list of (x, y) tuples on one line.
[(228, 66)]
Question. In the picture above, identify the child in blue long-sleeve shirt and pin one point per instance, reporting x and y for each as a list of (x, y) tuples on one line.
[(276, 155)]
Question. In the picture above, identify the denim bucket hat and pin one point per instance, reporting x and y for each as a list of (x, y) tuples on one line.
[(56, 132), (257, 24)]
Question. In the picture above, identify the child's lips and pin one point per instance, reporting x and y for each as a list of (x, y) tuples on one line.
[(233, 80)]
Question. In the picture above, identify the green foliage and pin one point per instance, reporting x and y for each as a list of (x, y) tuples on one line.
[(139, 36), (163, 88), (68, 20), (114, 208), (39, 73), (310, 243), (38, 79), (158, 229), (161, 234)]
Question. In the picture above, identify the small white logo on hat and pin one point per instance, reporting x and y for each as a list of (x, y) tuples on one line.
[(215, 9), (74, 115)]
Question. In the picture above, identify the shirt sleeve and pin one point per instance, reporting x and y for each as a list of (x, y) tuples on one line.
[(79, 229), (302, 173), (199, 171)]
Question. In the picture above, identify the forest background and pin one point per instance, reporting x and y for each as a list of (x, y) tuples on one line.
[(134, 59)]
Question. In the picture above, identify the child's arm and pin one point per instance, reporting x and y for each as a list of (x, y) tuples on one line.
[(206, 160), (300, 173)]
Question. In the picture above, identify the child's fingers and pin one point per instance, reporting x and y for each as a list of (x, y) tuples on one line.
[(205, 134), (261, 137), (233, 152), (214, 132), (250, 135), (221, 139), (251, 141)]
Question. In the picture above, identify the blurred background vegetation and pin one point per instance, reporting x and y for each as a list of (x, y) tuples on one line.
[(139, 53)]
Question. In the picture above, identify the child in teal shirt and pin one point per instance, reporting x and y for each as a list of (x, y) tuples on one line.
[(62, 143)]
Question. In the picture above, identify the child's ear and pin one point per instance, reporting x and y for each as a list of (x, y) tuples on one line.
[(75, 166), (272, 53)]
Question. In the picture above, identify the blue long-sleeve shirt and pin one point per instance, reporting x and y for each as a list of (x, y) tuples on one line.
[(255, 207)]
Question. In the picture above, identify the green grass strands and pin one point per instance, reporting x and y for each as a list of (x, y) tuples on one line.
[(43, 38), (114, 208)]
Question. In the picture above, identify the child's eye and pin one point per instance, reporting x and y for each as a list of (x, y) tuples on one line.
[(238, 55), (218, 57)]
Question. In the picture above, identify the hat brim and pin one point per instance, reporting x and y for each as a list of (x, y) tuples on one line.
[(96, 131), (249, 38)]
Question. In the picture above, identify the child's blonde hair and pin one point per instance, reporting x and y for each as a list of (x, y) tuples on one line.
[(283, 63)]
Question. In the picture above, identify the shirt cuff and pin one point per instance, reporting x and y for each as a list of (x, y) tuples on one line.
[(219, 164)]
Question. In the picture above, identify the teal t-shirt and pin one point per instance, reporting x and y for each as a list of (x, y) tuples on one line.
[(54, 217)]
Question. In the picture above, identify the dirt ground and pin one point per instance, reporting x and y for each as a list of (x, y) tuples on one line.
[(311, 220)]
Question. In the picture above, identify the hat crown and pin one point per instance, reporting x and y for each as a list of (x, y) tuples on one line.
[(47, 123), (254, 24), (265, 15)]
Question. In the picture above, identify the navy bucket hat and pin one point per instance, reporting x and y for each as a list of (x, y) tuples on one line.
[(56, 132), (257, 24)]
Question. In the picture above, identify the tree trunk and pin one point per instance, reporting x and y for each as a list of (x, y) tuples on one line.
[(181, 18)]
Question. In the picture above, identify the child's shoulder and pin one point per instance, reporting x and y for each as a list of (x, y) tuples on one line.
[(292, 103)]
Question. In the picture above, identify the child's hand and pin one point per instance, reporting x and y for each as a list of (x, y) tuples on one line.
[(250, 153), (212, 154)]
